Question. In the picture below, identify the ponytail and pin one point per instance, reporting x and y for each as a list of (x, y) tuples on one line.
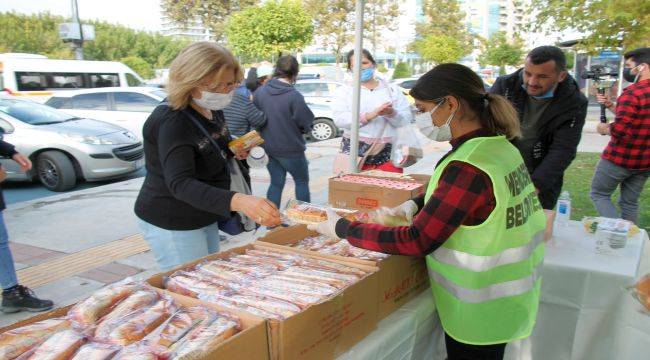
[(500, 117)]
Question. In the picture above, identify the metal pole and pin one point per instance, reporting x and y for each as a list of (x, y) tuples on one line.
[(621, 65), (78, 49), (356, 93)]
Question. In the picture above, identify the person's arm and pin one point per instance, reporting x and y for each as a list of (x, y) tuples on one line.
[(627, 113), (461, 191), (179, 171), (561, 152), (302, 115), (256, 117), (6, 149), (402, 109)]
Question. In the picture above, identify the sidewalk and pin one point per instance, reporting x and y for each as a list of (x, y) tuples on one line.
[(69, 245)]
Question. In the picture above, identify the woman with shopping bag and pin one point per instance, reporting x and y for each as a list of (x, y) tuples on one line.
[(479, 225), (383, 108)]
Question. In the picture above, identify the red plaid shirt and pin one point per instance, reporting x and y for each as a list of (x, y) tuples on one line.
[(629, 146), (464, 196)]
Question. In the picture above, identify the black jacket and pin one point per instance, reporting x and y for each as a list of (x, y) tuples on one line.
[(559, 131), (6, 150)]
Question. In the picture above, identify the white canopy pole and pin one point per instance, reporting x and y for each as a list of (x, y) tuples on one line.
[(354, 129)]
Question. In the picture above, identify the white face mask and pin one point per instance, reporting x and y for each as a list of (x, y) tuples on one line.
[(213, 101), (426, 127)]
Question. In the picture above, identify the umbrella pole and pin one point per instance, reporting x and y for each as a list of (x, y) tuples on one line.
[(354, 129)]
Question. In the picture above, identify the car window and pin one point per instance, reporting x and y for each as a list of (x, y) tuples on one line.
[(129, 101), (32, 113), (98, 101), (59, 102), (160, 93), (104, 80), (131, 80), (306, 89)]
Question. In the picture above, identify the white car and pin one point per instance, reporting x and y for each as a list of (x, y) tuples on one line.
[(125, 107), (320, 92)]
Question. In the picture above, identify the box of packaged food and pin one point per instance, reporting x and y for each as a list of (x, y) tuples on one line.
[(401, 278), (363, 192), (246, 142), (315, 308)]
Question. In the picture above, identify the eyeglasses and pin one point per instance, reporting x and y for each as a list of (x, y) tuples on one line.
[(222, 87)]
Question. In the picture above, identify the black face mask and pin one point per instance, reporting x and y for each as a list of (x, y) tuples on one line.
[(628, 76)]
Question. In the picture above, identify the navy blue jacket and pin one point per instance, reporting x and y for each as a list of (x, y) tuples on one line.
[(287, 118)]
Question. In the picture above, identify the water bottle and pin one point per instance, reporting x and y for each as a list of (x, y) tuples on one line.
[(563, 209)]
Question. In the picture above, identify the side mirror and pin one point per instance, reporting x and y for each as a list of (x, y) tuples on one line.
[(6, 127)]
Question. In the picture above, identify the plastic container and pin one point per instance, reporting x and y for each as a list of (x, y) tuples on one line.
[(563, 214)]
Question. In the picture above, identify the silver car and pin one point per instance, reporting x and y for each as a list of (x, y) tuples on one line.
[(64, 148)]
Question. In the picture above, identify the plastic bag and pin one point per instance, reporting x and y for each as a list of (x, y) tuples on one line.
[(139, 300), (96, 351), (406, 149), (209, 334), (137, 325), (300, 212), (100, 303), (16, 342), (177, 326), (61, 345), (641, 292)]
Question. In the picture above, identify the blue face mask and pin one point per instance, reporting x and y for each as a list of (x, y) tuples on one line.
[(547, 95), (367, 74)]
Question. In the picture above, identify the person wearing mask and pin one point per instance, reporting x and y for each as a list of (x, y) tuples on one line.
[(188, 186), (288, 119), (479, 224), (15, 297), (552, 112), (241, 114), (382, 109), (625, 162)]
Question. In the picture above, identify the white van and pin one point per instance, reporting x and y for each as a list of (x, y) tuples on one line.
[(37, 78)]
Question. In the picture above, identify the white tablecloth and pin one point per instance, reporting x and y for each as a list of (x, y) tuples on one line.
[(585, 311)]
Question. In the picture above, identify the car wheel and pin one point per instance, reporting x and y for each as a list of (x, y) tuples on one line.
[(323, 129), (55, 171)]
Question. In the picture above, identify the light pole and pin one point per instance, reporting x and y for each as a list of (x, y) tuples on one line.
[(77, 44)]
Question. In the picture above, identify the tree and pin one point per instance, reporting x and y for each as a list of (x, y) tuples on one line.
[(444, 18), (606, 23), (402, 70), (212, 14), (380, 15), (37, 34), (333, 23), (501, 52), (269, 29), (139, 65), (440, 49)]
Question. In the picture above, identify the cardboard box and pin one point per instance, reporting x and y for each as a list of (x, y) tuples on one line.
[(322, 331), (250, 343), (401, 278), (366, 197)]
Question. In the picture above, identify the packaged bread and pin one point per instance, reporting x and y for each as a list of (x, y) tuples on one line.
[(206, 336), (138, 325), (96, 351), (177, 326), (16, 342), (60, 346), (100, 303), (299, 212), (246, 142), (139, 300)]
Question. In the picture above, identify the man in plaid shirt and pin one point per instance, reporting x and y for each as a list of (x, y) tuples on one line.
[(626, 159)]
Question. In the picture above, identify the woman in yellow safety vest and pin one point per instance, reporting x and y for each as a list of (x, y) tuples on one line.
[(479, 224)]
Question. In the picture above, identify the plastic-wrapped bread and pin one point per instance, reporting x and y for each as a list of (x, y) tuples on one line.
[(139, 300), (250, 271), (224, 274), (252, 260), (60, 346), (96, 351), (192, 284), (177, 326), (202, 338), (137, 326), (16, 342), (309, 274), (100, 303), (333, 267), (289, 259), (257, 305), (137, 353), (300, 285), (277, 292)]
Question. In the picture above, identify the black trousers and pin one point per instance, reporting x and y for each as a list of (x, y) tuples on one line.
[(460, 351)]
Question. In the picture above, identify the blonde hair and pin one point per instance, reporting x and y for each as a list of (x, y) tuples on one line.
[(192, 65)]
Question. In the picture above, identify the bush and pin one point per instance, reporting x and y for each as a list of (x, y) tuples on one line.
[(402, 70), (381, 68)]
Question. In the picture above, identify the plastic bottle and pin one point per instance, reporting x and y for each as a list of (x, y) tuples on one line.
[(563, 209)]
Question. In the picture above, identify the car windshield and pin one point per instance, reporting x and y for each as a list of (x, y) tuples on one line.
[(33, 113)]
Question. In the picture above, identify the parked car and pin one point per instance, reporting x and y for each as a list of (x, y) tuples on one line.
[(65, 148), (125, 107), (320, 92), (323, 126), (406, 84)]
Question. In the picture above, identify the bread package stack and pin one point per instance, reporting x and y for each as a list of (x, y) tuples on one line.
[(123, 321), (265, 282), (397, 184), (327, 245)]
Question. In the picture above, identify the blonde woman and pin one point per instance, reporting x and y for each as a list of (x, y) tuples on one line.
[(187, 189)]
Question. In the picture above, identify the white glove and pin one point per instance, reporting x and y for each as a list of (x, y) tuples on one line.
[(407, 209), (327, 227)]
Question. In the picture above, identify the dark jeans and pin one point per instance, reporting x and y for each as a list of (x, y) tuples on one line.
[(278, 168), (460, 351), (607, 177)]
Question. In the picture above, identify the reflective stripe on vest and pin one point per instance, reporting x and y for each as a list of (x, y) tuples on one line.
[(492, 292), (477, 263)]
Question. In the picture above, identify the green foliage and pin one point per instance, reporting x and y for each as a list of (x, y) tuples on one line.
[(379, 15), (138, 65), (607, 23), (333, 23), (402, 70), (272, 28), (381, 68), (35, 34), (440, 49), (444, 18), (501, 52), (570, 59)]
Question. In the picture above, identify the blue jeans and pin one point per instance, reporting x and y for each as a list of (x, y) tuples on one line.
[(7, 269), (175, 247), (298, 167)]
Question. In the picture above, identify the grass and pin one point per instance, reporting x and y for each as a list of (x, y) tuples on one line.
[(577, 180)]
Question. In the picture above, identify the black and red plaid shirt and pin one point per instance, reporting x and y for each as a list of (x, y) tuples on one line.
[(464, 196), (629, 146)]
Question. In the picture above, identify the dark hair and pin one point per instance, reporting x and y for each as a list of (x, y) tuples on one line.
[(286, 67), (494, 112), (365, 53), (639, 56), (542, 54), (251, 79)]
